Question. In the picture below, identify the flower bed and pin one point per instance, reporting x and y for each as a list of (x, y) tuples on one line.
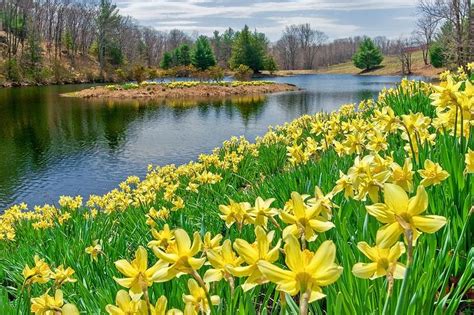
[(356, 211)]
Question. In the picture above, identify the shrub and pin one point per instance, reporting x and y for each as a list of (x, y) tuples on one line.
[(216, 73), (12, 70), (121, 75), (243, 73), (139, 73), (437, 56)]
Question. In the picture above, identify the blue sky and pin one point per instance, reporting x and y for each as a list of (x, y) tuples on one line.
[(340, 18)]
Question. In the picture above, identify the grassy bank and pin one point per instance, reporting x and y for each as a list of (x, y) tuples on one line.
[(344, 177), (390, 66)]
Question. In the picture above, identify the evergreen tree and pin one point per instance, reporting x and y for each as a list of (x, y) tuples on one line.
[(167, 61), (436, 55), (270, 64), (249, 49), (367, 56), (202, 55), (183, 53)]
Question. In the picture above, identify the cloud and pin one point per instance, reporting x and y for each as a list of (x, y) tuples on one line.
[(270, 15)]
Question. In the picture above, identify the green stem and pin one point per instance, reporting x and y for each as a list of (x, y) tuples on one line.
[(203, 285)]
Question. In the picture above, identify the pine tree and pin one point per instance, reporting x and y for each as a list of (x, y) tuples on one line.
[(202, 55), (367, 56), (167, 61), (249, 49)]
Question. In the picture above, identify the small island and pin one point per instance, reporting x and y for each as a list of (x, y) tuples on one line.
[(182, 89)]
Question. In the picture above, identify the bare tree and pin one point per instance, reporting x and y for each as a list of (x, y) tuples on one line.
[(426, 27), (454, 12)]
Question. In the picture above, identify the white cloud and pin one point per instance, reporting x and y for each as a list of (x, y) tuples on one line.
[(269, 16)]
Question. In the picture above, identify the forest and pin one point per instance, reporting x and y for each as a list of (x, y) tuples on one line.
[(47, 41)]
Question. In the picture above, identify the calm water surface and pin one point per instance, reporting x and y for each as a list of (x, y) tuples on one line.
[(52, 146)]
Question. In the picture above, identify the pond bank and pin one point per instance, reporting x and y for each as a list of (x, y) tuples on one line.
[(151, 90)]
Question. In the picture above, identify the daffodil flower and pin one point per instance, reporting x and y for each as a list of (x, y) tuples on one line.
[(138, 276), (399, 214), (219, 260), (181, 254), (384, 261), (39, 273), (211, 243), (252, 254), (304, 221), (126, 305), (236, 212), (432, 174), (61, 275), (161, 308), (162, 238), (46, 304), (94, 250), (196, 301), (308, 271), (262, 211)]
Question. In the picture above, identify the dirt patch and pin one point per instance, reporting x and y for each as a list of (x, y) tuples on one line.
[(199, 91)]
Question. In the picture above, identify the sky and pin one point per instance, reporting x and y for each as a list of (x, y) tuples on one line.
[(338, 19)]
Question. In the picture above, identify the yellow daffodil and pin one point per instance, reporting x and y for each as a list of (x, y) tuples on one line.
[(304, 221), (323, 201), (400, 213), (62, 276), (219, 260), (125, 305), (211, 243), (196, 301), (403, 176), (384, 261), (308, 271), (161, 308), (181, 254), (252, 254), (138, 276), (469, 162), (162, 238), (262, 211), (343, 184), (49, 305), (236, 212), (39, 273), (94, 250), (432, 174)]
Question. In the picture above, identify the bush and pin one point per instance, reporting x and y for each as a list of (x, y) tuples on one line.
[(243, 73), (12, 70), (216, 73), (437, 56), (367, 56), (121, 75), (139, 73)]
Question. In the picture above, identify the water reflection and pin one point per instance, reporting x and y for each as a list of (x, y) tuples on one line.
[(51, 145)]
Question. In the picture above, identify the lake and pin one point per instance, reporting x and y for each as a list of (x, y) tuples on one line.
[(52, 146)]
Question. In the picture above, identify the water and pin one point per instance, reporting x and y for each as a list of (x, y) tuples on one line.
[(52, 146)]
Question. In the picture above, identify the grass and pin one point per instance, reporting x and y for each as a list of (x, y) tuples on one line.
[(390, 66), (437, 282)]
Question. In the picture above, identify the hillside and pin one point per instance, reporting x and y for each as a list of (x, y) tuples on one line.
[(390, 66)]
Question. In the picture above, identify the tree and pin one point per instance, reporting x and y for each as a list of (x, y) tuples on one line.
[(425, 29), (167, 61), (107, 20), (270, 64), (249, 49), (436, 55), (202, 55), (367, 56), (183, 54)]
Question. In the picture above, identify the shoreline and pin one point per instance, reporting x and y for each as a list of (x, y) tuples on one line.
[(179, 89)]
